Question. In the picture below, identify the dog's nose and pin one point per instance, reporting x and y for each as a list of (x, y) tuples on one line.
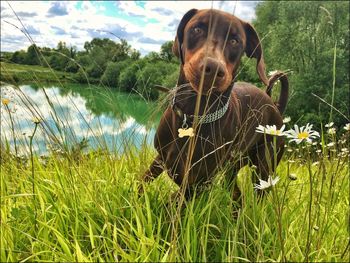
[(213, 68)]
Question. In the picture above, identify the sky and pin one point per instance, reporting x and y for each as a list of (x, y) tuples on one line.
[(146, 25)]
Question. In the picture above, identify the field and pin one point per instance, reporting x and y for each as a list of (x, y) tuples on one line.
[(80, 204), (75, 206), (15, 73)]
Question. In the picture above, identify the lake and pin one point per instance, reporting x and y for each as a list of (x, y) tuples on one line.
[(73, 114)]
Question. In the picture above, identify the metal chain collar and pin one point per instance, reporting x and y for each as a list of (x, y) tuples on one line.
[(207, 118)]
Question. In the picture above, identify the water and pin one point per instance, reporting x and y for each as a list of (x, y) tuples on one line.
[(74, 114)]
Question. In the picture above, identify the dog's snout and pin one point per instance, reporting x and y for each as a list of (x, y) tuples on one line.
[(213, 68)]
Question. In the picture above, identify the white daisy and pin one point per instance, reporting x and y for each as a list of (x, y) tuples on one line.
[(286, 119), (304, 133), (271, 130), (266, 184), (347, 127), (328, 125)]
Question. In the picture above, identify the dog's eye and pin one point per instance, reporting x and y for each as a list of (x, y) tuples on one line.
[(233, 42), (198, 30)]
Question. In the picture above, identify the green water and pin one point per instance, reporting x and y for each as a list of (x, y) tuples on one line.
[(74, 113)]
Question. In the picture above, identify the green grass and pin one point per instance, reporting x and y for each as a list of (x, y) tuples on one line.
[(85, 207), (16, 73), (78, 206)]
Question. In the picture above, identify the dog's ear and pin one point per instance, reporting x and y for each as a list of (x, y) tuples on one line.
[(254, 50), (177, 46)]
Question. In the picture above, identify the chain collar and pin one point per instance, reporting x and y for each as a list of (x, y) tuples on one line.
[(207, 118)]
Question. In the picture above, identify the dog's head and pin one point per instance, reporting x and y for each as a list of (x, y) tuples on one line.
[(210, 44)]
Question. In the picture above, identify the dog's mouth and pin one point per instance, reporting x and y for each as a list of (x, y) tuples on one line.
[(209, 76)]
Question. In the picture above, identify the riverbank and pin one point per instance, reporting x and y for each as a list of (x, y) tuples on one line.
[(16, 74)]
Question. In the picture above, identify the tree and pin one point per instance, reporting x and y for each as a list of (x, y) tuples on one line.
[(303, 37), (32, 55), (128, 77), (121, 51), (152, 57), (152, 74), (18, 57), (113, 70), (166, 51)]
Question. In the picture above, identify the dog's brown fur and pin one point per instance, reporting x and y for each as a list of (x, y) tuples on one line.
[(210, 44)]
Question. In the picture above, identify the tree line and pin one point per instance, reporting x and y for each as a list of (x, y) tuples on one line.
[(308, 39), (114, 64)]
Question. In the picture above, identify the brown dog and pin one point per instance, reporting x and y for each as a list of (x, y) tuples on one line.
[(211, 120)]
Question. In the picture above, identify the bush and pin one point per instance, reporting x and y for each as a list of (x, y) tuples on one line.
[(128, 76), (111, 75), (94, 71), (170, 80), (72, 67), (151, 75), (81, 76), (18, 57)]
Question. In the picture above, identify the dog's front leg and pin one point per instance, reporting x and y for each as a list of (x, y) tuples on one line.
[(153, 172)]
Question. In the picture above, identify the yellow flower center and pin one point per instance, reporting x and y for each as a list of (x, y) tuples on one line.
[(5, 101), (303, 135)]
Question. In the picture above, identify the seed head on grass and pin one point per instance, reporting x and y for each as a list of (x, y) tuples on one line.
[(263, 185), (36, 120), (331, 131), (331, 144), (292, 176), (271, 130), (304, 133)]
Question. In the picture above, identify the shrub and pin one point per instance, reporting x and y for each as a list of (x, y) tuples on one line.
[(128, 76), (111, 75), (151, 74)]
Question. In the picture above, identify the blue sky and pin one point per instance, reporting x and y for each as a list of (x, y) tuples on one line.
[(144, 24)]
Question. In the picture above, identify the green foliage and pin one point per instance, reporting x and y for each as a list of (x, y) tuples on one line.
[(19, 57), (87, 208), (32, 56), (303, 37), (128, 77), (72, 67), (16, 73), (171, 78), (113, 70), (166, 52), (114, 64), (151, 75)]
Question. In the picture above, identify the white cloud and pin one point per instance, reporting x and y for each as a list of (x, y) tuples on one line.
[(76, 23)]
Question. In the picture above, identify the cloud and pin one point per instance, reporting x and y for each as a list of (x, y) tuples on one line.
[(57, 9), (32, 30), (163, 11), (144, 24), (148, 40), (26, 14), (58, 30)]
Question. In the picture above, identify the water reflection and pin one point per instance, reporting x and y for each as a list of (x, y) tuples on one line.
[(106, 118)]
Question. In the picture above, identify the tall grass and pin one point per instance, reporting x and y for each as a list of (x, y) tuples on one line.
[(89, 210), (76, 205)]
